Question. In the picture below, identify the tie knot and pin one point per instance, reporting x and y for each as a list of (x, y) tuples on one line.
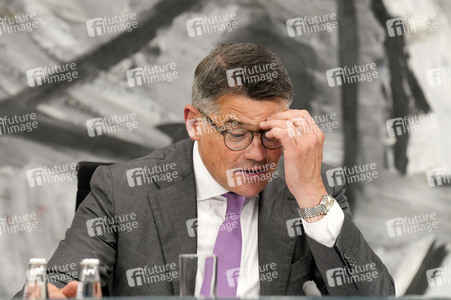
[(234, 203)]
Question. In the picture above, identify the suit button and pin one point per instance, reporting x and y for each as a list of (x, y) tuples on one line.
[(350, 259)]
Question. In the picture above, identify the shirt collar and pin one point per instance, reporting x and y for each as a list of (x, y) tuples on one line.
[(206, 186)]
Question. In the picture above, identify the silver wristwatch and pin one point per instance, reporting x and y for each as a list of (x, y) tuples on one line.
[(323, 208)]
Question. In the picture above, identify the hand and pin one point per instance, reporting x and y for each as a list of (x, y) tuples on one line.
[(69, 291), (303, 152)]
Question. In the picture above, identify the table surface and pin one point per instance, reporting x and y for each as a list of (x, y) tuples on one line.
[(275, 298)]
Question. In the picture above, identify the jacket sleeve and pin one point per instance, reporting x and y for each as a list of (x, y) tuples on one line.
[(350, 267), (87, 237)]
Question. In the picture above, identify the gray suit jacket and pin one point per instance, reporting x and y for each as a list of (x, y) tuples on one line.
[(165, 210)]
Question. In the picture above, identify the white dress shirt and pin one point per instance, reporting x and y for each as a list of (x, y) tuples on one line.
[(211, 209)]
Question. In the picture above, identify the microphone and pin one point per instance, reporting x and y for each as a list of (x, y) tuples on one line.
[(310, 288)]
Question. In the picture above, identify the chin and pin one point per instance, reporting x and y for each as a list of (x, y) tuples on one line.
[(248, 190)]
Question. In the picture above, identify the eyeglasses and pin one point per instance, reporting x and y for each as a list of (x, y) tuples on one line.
[(237, 139)]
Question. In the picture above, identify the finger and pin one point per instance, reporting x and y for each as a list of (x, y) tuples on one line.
[(54, 292), (295, 127), (70, 290), (289, 114), (307, 126), (282, 135), (297, 122), (273, 123), (303, 121), (33, 291), (303, 129), (294, 133)]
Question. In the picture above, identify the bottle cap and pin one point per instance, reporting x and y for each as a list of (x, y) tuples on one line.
[(37, 261), (90, 262)]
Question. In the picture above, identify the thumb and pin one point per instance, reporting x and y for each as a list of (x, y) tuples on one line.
[(70, 290)]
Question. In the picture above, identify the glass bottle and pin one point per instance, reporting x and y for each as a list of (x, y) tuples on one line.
[(89, 286), (36, 286)]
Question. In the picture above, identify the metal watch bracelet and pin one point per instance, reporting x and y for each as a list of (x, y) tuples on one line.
[(312, 211)]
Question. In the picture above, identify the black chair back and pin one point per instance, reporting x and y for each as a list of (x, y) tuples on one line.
[(85, 169)]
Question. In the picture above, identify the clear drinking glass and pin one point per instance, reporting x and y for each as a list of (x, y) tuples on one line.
[(197, 275)]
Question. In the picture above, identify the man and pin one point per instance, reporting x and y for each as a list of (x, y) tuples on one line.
[(241, 130)]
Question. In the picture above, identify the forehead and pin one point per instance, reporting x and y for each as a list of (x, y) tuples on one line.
[(247, 110)]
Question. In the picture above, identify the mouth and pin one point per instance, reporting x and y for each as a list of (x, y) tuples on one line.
[(250, 172)]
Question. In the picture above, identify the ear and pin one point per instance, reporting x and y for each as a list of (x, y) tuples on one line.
[(193, 122)]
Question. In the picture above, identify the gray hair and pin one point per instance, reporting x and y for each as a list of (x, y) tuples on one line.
[(211, 82)]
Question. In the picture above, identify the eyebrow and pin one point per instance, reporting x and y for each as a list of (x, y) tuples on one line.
[(239, 123)]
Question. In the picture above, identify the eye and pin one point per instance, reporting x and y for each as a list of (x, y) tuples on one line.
[(237, 135)]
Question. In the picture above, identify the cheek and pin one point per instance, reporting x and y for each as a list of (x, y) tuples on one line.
[(274, 155), (213, 143), (218, 154)]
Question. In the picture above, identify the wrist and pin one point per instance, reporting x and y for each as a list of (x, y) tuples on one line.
[(317, 212), (314, 219), (310, 198)]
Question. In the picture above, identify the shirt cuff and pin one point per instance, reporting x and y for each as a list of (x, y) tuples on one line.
[(326, 230)]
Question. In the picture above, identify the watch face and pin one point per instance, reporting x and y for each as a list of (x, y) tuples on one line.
[(328, 202)]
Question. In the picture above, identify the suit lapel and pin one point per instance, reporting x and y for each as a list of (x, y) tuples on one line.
[(275, 245), (174, 210)]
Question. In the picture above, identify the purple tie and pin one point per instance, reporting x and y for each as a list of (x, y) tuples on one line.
[(228, 249)]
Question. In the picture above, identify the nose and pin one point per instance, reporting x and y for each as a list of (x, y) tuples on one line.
[(256, 151)]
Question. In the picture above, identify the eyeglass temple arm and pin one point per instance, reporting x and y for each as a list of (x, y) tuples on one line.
[(223, 132)]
